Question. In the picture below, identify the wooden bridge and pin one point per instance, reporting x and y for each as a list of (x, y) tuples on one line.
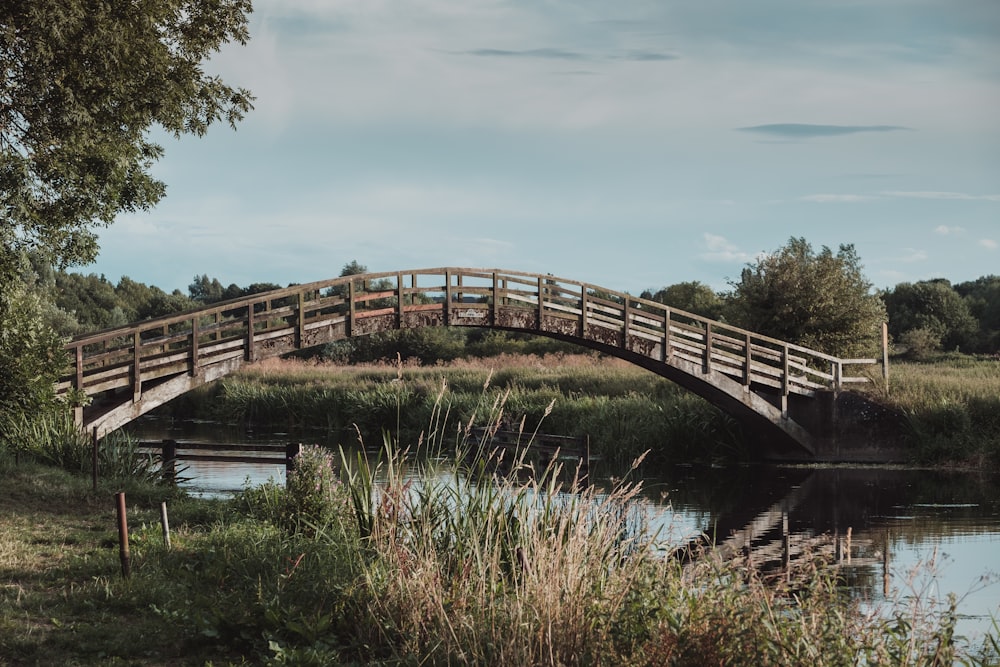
[(782, 393)]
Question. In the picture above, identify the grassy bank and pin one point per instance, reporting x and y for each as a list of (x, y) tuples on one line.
[(325, 573), (953, 408)]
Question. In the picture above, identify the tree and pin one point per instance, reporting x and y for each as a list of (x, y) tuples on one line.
[(694, 297), (983, 297), (82, 84), (31, 354), (822, 301), (930, 315)]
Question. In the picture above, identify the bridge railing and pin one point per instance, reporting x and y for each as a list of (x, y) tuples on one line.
[(279, 321)]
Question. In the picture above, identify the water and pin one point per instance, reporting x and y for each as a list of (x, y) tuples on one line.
[(896, 531)]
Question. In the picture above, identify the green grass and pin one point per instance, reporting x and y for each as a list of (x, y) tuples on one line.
[(953, 407)]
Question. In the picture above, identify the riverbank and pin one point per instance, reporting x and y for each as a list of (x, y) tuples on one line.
[(952, 406), (315, 575)]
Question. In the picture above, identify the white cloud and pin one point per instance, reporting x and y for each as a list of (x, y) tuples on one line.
[(912, 255), (828, 198), (989, 244), (721, 249), (945, 230), (933, 194)]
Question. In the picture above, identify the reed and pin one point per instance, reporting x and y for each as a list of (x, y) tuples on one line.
[(953, 408)]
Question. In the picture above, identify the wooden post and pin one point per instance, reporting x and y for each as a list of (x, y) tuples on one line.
[(250, 350), (494, 320), (667, 352), (399, 300), (136, 366), (541, 304), (350, 308), (123, 550), (447, 297), (194, 346), (747, 360), (165, 524), (627, 317), (784, 381), (583, 311), (300, 328), (168, 465), (885, 355), (707, 367), (94, 458)]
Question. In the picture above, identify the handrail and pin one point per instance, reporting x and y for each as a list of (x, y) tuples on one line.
[(251, 327)]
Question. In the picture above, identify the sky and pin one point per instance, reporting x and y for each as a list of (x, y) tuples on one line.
[(632, 144)]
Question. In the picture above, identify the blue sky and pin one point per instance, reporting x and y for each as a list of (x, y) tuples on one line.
[(630, 144)]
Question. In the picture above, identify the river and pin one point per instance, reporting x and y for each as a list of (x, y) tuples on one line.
[(896, 531)]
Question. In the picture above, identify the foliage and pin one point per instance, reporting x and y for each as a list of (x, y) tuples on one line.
[(818, 300), (31, 353), (932, 307), (308, 502), (694, 297), (52, 437), (983, 297), (82, 86)]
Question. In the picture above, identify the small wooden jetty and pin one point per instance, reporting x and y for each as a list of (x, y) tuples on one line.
[(172, 451)]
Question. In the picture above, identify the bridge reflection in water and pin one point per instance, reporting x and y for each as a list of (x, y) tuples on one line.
[(887, 528)]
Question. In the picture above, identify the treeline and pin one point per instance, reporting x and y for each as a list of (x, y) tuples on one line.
[(924, 317), (817, 299)]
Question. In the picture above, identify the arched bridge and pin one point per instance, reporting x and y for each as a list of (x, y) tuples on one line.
[(785, 395)]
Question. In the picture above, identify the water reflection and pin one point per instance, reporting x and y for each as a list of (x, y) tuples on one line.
[(893, 530)]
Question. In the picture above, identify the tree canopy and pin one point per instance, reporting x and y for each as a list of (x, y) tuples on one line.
[(820, 300), (82, 85)]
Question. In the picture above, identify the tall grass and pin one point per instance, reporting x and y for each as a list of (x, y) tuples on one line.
[(410, 562), (53, 438), (952, 406)]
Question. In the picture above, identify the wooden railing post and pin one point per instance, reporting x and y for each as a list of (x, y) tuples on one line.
[(194, 346), (79, 368), (447, 297), (541, 302), (667, 352), (399, 300), (747, 361), (885, 355), (784, 381), (496, 300), (707, 363), (583, 311), (351, 308), (300, 324), (136, 366), (250, 335), (627, 317)]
